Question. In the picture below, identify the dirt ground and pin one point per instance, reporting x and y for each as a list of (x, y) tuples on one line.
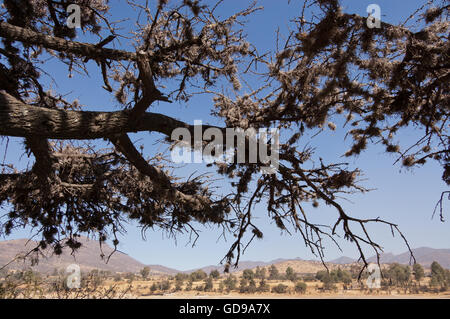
[(338, 295)]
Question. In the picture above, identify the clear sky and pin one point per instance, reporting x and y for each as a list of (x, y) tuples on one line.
[(405, 197)]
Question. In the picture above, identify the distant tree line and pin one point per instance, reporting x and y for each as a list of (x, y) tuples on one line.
[(28, 283)]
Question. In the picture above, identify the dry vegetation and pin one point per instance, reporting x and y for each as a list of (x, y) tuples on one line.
[(89, 178), (261, 282)]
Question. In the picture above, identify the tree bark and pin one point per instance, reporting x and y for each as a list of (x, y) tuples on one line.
[(88, 50), (22, 120)]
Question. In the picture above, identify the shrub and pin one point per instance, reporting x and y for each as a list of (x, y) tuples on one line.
[(164, 285), (263, 286), (198, 275), (300, 287), (260, 273), (214, 274), (248, 274), (188, 286), (280, 289), (290, 274), (181, 277), (273, 273), (178, 285), (208, 284), (230, 283), (145, 272)]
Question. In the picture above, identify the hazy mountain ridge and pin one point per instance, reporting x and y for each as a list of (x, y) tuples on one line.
[(342, 260), (88, 258)]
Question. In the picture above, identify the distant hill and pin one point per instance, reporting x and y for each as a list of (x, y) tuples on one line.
[(343, 260), (242, 265), (88, 258), (303, 266), (424, 256), (299, 265), (162, 270)]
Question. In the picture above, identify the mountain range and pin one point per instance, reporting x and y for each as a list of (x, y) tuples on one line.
[(88, 258), (423, 255)]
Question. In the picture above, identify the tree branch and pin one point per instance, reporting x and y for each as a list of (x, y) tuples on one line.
[(158, 177), (43, 158), (22, 120), (150, 93), (126, 147)]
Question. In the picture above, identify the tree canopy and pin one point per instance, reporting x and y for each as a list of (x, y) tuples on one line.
[(332, 66)]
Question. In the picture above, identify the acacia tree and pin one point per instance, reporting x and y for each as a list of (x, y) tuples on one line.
[(419, 272), (145, 272), (379, 80)]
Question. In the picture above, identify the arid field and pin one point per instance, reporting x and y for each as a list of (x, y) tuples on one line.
[(275, 281)]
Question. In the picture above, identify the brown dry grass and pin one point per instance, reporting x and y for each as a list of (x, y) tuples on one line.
[(141, 289)]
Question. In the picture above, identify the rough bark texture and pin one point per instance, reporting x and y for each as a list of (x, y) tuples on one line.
[(87, 50), (20, 119)]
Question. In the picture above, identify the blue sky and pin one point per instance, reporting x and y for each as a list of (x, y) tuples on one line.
[(404, 197)]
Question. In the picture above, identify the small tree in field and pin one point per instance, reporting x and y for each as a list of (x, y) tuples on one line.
[(243, 285), (419, 272), (248, 274), (198, 275), (440, 277), (180, 277), (189, 286), (321, 274), (263, 286), (290, 274), (164, 285), (260, 273), (328, 283), (399, 274), (221, 287), (145, 272), (230, 283), (208, 286), (273, 273), (215, 274)]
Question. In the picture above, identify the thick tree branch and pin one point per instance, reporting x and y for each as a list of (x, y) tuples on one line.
[(88, 50), (158, 177), (43, 158), (22, 120), (150, 93), (126, 147)]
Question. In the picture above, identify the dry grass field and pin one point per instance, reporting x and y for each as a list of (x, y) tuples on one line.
[(141, 289), (288, 279)]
